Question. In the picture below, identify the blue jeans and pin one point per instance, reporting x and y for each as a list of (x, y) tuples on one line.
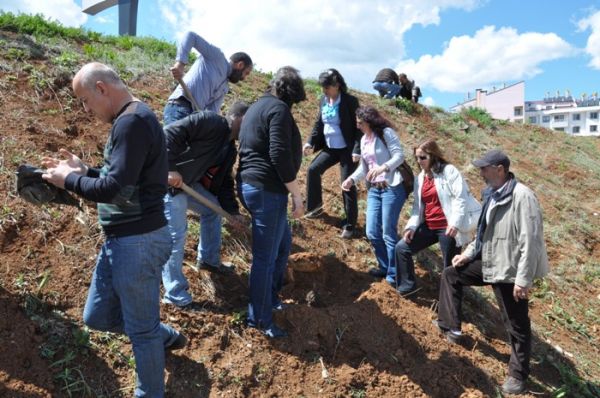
[(173, 112), (387, 90), (271, 244), (209, 245), (124, 298), (383, 210), (423, 238)]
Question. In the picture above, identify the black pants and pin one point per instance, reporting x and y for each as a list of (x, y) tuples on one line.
[(515, 314), (423, 238), (324, 160)]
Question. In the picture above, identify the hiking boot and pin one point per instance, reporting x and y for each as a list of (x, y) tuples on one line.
[(347, 233), (403, 289), (513, 386), (377, 272), (314, 213), (180, 342), (223, 268)]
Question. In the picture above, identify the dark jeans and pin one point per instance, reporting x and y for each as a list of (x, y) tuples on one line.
[(423, 238), (324, 160), (515, 314)]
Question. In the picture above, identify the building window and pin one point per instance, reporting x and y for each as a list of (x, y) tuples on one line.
[(593, 115), (545, 119), (593, 128), (559, 118), (559, 129), (575, 129), (576, 116), (518, 111), (533, 119)]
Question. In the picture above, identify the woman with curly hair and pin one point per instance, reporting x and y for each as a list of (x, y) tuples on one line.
[(381, 154), (270, 157)]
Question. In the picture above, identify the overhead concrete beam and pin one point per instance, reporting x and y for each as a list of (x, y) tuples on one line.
[(93, 7)]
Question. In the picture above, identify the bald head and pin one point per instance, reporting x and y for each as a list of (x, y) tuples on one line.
[(101, 90)]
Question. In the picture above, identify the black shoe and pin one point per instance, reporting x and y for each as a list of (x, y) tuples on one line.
[(452, 336), (377, 272), (513, 386), (180, 342), (406, 290), (279, 306), (190, 307), (223, 268), (347, 233)]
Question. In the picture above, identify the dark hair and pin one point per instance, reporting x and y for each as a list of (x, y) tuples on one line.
[(431, 148), (332, 77), (241, 56), (373, 118), (287, 85), (237, 109)]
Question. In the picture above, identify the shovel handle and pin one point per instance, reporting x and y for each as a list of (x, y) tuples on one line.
[(189, 95)]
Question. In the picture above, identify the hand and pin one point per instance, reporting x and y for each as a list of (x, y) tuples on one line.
[(459, 260), (71, 159), (451, 231), (409, 234), (307, 149), (355, 157), (297, 206), (520, 293), (177, 70), (347, 184), (375, 171), (175, 179)]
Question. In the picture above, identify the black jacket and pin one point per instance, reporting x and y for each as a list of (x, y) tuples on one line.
[(199, 142), (351, 133)]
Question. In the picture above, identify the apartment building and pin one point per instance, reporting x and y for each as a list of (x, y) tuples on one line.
[(565, 113), (505, 103)]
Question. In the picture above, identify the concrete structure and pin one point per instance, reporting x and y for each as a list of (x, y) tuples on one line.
[(127, 13), (505, 103), (564, 113)]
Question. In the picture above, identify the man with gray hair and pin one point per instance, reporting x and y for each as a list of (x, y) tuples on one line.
[(508, 253), (129, 189)]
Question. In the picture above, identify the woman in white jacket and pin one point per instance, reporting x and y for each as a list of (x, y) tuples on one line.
[(443, 211), (381, 154)]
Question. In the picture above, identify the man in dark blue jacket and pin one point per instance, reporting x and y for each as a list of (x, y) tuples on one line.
[(201, 151), (129, 188)]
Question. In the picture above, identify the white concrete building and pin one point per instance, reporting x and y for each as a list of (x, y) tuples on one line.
[(564, 113), (505, 103)]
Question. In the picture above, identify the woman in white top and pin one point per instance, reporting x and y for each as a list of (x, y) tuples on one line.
[(381, 154), (443, 211)]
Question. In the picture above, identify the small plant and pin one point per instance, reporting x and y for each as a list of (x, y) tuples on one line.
[(238, 318), (407, 106), (481, 116)]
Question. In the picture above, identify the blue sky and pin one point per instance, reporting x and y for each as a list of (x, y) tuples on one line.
[(448, 46)]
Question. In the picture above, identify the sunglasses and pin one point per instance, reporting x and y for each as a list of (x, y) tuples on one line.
[(423, 157)]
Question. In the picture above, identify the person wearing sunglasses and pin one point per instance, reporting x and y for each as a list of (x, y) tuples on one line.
[(444, 212), (381, 154), (336, 135)]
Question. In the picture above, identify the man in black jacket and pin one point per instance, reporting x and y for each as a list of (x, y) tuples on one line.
[(201, 153)]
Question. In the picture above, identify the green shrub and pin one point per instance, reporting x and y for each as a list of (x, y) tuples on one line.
[(407, 106), (479, 115)]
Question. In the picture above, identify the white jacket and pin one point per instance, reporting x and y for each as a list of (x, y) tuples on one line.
[(389, 153), (460, 208)]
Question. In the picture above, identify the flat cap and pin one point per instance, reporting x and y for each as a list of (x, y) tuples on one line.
[(494, 157)]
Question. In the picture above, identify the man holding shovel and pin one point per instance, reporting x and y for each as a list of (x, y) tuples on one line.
[(202, 152), (207, 78)]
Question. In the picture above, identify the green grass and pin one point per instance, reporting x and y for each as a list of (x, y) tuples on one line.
[(480, 115)]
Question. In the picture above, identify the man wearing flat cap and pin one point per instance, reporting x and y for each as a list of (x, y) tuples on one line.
[(508, 253)]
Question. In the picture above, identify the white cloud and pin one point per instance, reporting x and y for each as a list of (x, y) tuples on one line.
[(490, 56), (593, 43), (356, 37), (429, 101), (67, 12)]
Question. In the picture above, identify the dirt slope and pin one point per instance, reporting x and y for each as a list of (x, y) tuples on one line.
[(351, 335)]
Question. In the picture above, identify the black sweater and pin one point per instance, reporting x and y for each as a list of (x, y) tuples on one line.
[(130, 186), (270, 145)]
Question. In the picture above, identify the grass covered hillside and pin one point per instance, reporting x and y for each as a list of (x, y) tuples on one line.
[(350, 335)]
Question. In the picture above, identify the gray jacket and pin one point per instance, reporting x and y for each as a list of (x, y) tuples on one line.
[(513, 248)]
